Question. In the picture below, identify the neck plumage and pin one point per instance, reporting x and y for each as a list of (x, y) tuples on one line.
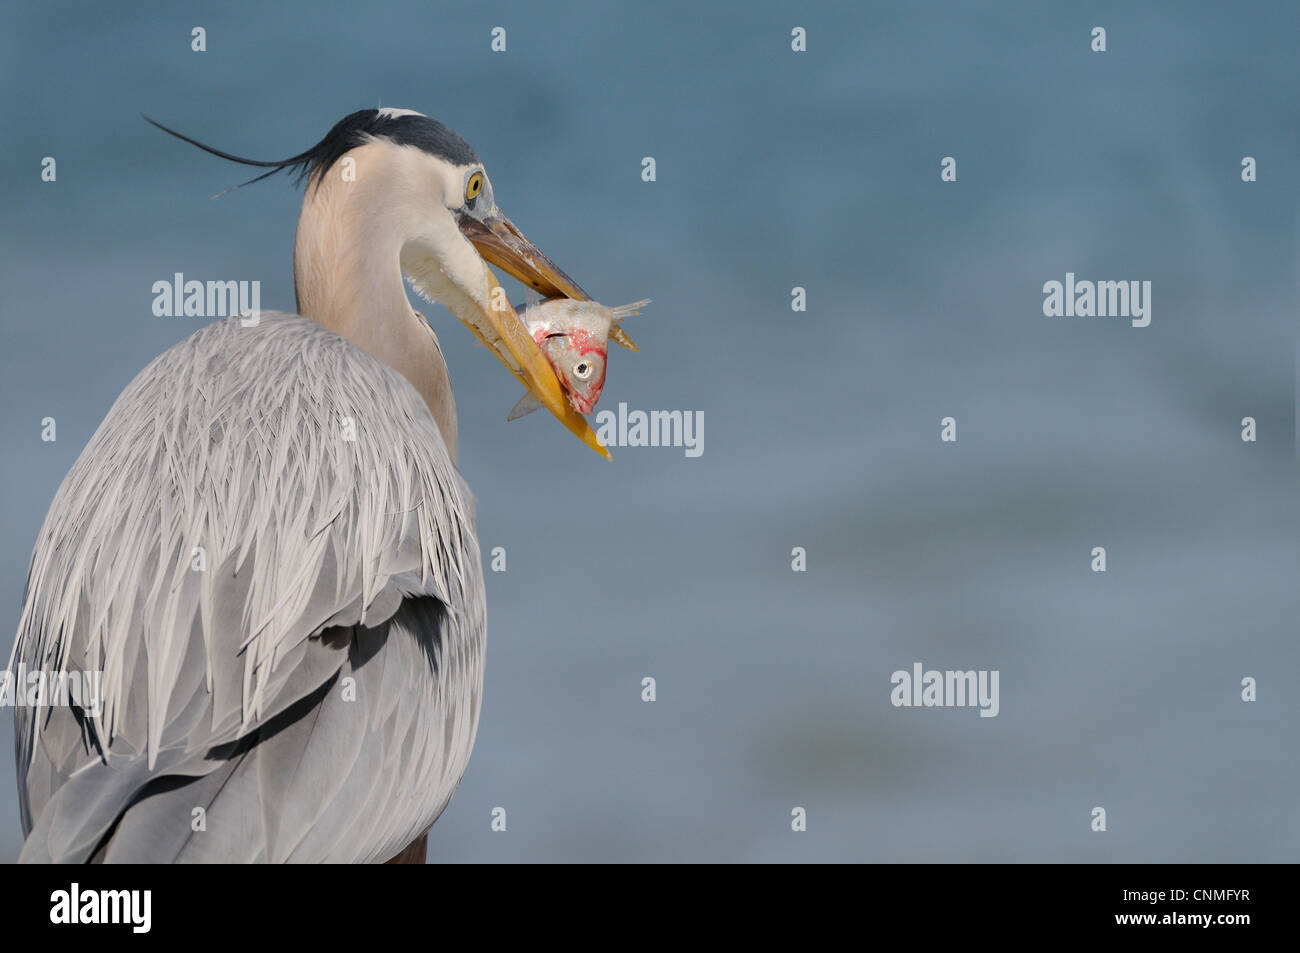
[(347, 277)]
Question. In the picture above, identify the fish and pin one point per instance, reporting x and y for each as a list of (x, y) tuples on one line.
[(574, 336)]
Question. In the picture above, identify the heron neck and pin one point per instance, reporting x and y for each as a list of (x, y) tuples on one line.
[(347, 277)]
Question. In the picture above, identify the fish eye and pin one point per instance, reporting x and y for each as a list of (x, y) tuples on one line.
[(473, 186), (582, 370)]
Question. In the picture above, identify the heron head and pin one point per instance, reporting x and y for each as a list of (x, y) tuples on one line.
[(452, 229)]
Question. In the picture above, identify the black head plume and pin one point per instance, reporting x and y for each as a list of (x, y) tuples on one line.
[(362, 126)]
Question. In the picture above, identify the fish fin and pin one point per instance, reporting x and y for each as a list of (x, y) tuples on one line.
[(531, 299), (622, 311), (527, 404), (619, 337)]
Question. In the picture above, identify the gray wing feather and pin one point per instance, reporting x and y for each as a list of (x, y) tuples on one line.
[(259, 503)]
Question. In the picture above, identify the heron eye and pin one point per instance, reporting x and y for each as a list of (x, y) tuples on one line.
[(474, 186), (582, 370)]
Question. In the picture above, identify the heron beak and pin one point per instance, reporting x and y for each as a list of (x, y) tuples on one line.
[(498, 241)]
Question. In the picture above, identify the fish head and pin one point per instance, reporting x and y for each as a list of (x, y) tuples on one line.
[(578, 358)]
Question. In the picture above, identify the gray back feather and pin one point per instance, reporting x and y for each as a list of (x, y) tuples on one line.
[(217, 550)]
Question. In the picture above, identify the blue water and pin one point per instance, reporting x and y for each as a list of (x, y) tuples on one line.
[(776, 170)]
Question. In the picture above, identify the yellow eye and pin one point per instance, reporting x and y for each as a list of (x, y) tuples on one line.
[(474, 186)]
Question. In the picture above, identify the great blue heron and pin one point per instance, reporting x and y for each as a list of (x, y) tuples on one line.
[(267, 550)]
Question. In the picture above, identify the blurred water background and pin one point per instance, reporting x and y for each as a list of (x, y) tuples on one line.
[(775, 170)]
